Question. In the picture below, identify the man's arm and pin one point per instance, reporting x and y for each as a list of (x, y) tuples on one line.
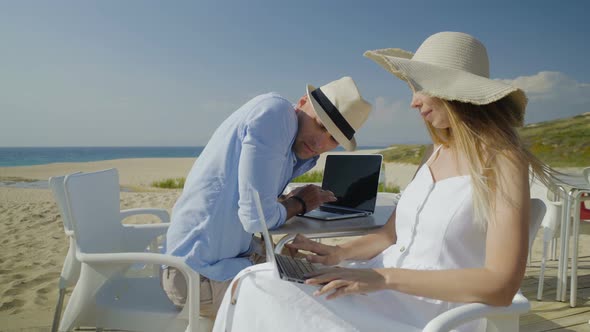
[(266, 140)]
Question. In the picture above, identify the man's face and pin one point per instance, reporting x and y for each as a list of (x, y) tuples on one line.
[(312, 137)]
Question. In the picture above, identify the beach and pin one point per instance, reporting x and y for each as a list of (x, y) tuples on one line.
[(33, 240)]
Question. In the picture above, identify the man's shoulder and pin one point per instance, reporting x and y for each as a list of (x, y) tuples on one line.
[(270, 114), (271, 106), (272, 98)]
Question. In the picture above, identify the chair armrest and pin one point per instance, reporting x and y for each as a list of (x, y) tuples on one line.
[(135, 257), (450, 319), (191, 310), (160, 213), (140, 235)]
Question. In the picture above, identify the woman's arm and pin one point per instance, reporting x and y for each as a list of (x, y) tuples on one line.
[(495, 283), (363, 248), (370, 245)]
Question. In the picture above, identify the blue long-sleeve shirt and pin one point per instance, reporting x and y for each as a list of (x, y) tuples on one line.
[(214, 218)]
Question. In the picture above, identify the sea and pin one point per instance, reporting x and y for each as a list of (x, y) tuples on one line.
[(28, 156)]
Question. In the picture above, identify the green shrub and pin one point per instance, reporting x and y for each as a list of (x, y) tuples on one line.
[(404, 153), (388, 188), (177, 183), (314, 176)]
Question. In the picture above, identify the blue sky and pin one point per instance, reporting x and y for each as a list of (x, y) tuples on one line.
[(166, 73)]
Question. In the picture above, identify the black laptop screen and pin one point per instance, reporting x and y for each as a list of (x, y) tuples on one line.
[(354, 179)]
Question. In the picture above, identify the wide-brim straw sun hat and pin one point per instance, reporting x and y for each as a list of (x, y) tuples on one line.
[(450, 66), (341, 108)]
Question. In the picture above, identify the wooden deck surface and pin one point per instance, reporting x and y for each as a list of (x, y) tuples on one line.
[(552, 315)]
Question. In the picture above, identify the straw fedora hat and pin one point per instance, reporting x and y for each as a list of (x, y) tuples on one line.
[(450, 66), (341, 108)]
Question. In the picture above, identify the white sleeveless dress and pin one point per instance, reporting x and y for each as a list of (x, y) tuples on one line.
[(435, 231)]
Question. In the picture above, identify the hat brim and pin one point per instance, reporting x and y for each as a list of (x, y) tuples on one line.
[(445, 83), (349, 145)]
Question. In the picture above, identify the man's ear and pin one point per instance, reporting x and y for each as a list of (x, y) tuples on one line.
[(302, 101)]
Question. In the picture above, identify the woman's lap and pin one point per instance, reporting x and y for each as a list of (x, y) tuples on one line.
[(264, 302)]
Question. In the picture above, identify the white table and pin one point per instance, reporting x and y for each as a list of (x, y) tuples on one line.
[(314, 228), (573, 186)]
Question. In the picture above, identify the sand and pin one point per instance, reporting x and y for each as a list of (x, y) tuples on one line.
[(34, 244), (32, 237), (138, 172)]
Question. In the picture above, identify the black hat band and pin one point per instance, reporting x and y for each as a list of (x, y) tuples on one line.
[(333, 113)]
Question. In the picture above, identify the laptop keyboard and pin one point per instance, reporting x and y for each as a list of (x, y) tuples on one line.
[(293, 267), (333, 210)]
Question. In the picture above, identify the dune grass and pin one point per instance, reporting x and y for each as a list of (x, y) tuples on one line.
[(409, 154), (16, 179), (317, 176), (176, 183), (314, 176), (559, 143), (385, 188), (562, 142)]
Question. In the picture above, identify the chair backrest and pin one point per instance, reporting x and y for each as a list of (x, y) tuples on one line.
[(94, 208), (538, 210), (586, 173), (71, 266), (586, 204), (552, 218), (56, 184)]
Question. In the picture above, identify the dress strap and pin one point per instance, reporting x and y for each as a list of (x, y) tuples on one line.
[(433, 153)]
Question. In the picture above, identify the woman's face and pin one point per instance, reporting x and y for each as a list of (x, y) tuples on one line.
[(431, 109)]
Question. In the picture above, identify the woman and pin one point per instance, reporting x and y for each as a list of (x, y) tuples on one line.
[(459, 233)]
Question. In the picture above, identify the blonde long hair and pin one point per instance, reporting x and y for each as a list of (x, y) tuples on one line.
[(482, 133)]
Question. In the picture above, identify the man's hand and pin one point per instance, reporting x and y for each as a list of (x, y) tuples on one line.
[(313, 195)]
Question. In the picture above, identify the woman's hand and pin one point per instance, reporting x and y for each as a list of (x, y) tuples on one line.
[(323, 254), (343, 281)]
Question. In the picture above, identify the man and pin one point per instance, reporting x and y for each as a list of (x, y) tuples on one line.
[(263, 145)]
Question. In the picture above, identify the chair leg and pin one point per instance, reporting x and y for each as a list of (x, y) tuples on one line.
[(575, 239), (542, 273), (58, 307)]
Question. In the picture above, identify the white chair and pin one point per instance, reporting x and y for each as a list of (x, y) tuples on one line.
[(71, 267), (105, 296), (499, 319), (582, 197), (549, 227)]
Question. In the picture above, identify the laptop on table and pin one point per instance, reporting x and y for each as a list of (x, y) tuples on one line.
[(354, 180), (287, 267)]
